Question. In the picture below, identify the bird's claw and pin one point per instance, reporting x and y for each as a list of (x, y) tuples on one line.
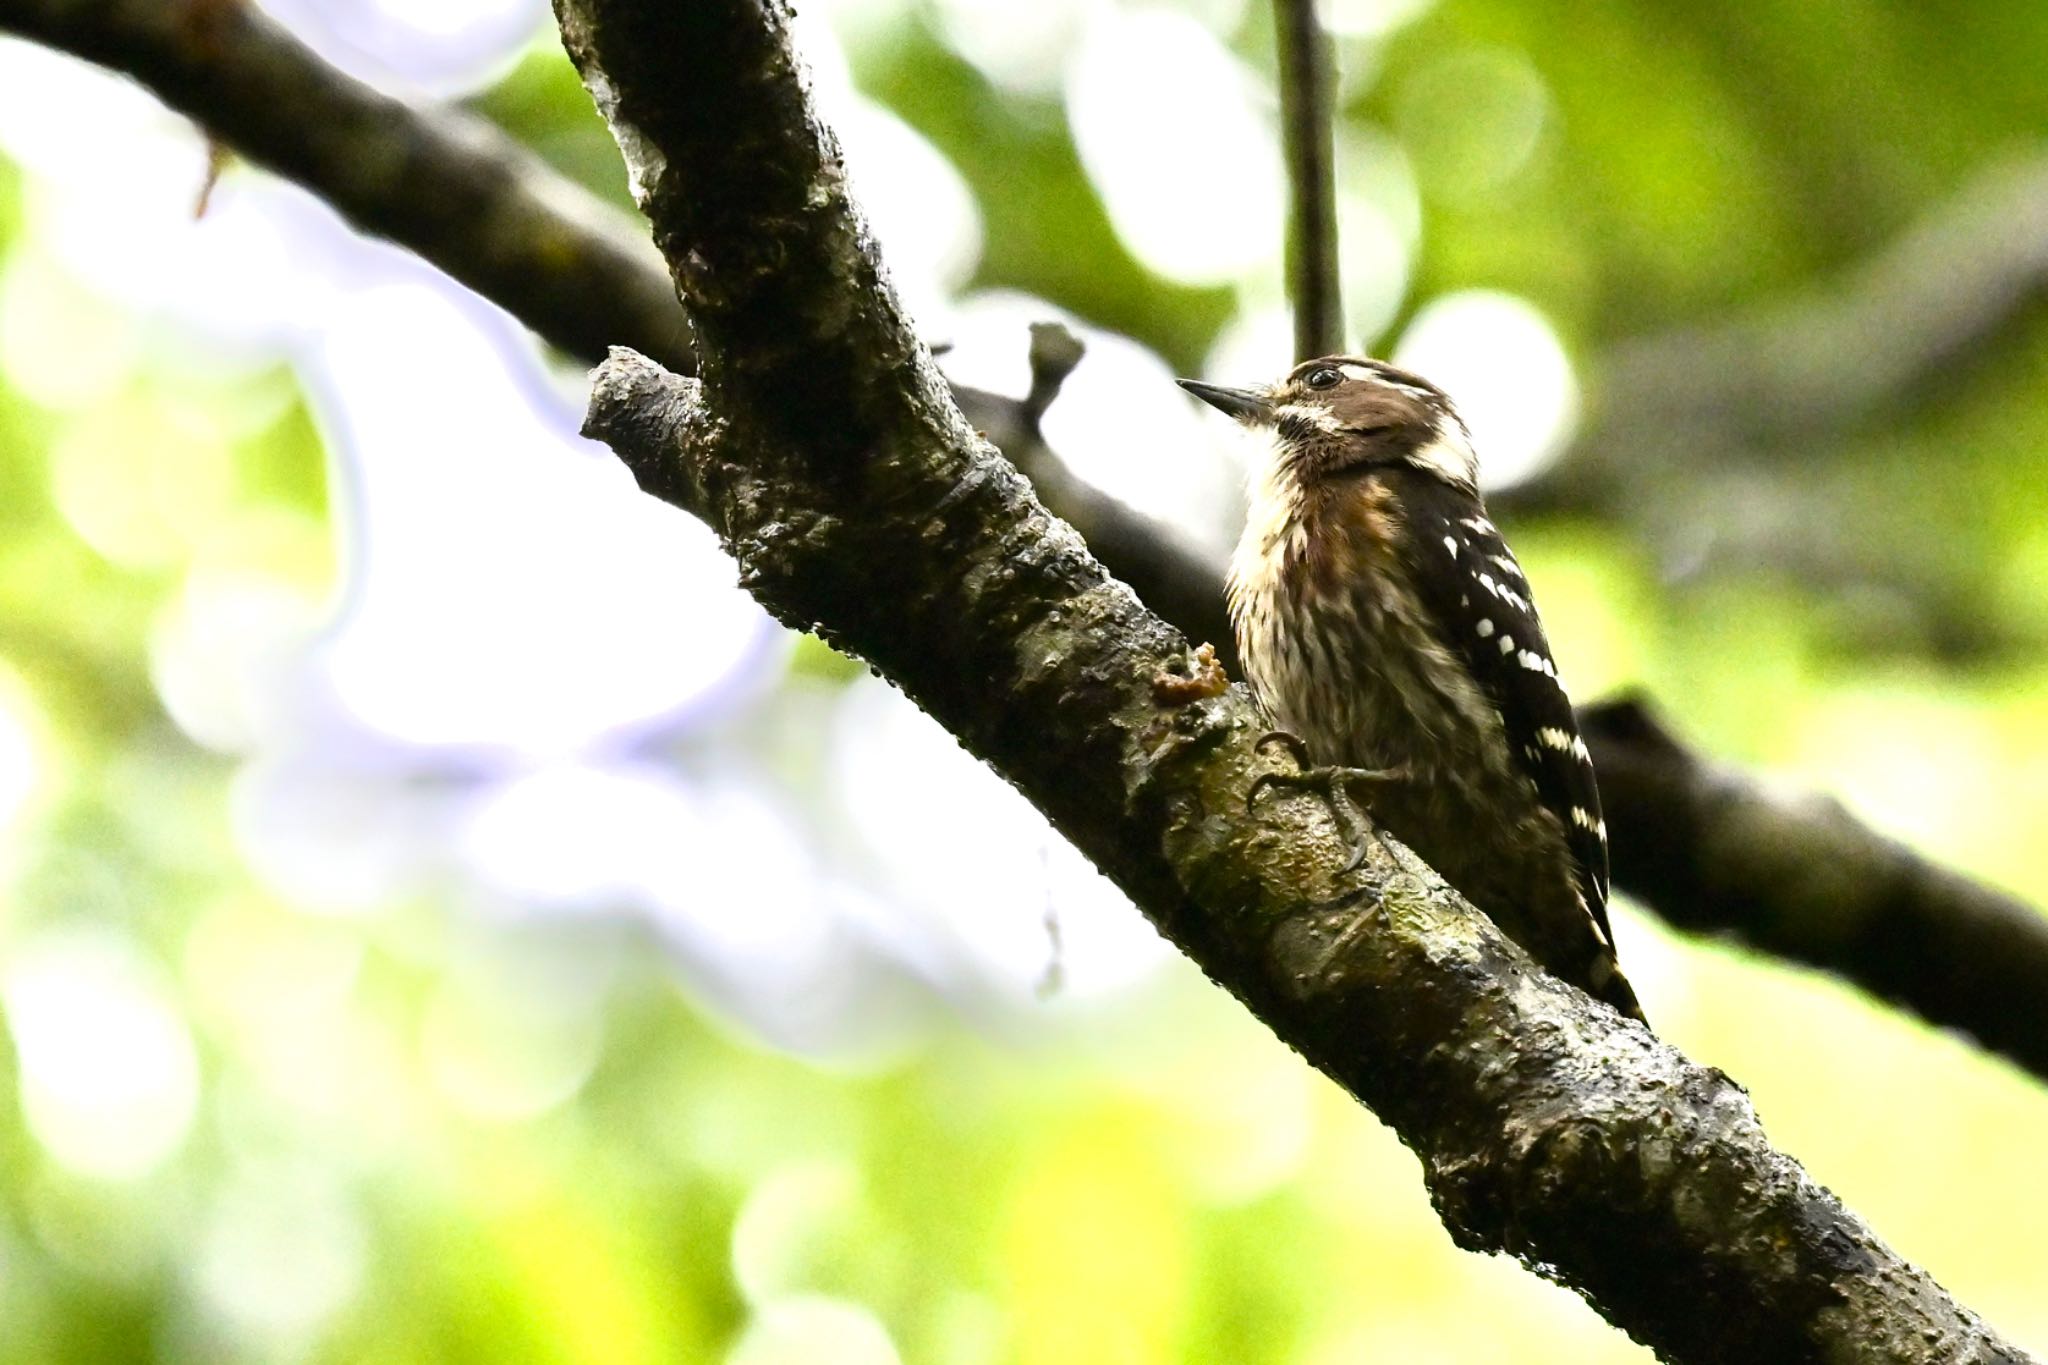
[(1334, 784), (1296, 750)]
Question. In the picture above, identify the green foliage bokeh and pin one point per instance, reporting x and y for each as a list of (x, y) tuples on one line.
[(1152, 1179)]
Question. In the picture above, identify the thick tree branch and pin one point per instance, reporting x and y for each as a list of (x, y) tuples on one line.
[(1307, 73), (822, 445), (573, 270)]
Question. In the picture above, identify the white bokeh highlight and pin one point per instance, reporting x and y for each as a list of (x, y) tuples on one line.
[(1020, 47), (1505, 367), (803, 1328), (923, 215), (109, 1078), (222, 654), (279, 1251), (1119, 420), (1179, 140), (1371, 19), (987, 894)]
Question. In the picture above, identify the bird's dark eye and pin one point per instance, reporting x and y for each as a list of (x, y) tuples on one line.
[(1322, 378)]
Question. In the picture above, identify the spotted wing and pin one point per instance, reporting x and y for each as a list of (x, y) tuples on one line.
[(1483, 608)]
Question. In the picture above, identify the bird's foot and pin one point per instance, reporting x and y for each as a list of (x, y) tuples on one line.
[(1335, 785)]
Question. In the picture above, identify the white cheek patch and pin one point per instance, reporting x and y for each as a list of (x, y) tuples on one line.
[(1450, 457)]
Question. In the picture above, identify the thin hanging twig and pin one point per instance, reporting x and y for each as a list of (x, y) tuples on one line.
[(1307, 70)]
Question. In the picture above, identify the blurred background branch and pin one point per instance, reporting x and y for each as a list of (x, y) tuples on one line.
[(1721, 444), (1795, 875), (1892, 333), (480, 207)]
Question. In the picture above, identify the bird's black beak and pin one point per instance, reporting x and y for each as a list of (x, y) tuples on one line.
[(1246, 405)]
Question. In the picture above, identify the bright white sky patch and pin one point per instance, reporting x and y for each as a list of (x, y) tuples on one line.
[(737, 899), (511, 587), (920, 208), (918, 205), (109, 1080), (1179, 140), (1503, 365), (584, 836), (443, 47), (1256, 347)]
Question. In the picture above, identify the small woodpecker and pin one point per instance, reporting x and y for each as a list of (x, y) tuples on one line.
[(1388, 631)]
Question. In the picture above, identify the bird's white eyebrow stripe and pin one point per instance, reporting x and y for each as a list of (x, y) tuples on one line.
[(1370, 375)]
